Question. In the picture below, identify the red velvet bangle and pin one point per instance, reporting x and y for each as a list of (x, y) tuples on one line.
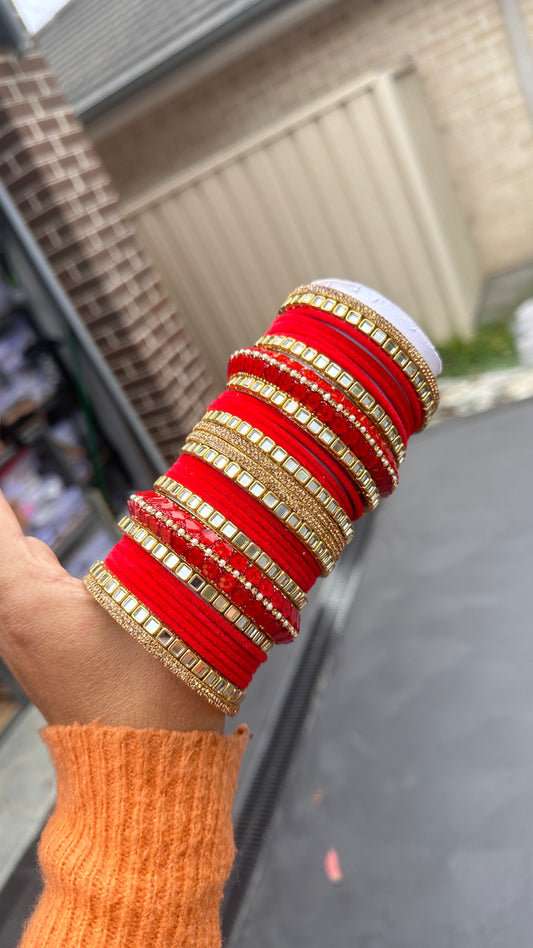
[(218, 642), (298, 443), (335, 349), (234, 558), (266, 364), (375, 359), (314, 401), (223, 579), (265, 531)]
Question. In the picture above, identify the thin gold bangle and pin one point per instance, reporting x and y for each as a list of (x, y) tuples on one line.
[(269, 472), (219, 460), (175, 654)]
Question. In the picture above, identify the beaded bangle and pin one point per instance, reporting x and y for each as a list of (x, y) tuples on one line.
[(221, 571), (307, 419), (264, 466), (315, 394), (331, 348), (143, 625), (351, 388), (403, 406), (382, 333), (227, 530), (184, 568)]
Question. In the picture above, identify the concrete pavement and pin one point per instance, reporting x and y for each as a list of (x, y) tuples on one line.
[(416, 762)]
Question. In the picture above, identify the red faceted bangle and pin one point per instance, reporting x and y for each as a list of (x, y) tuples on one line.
[(238, 588), (376, 457)]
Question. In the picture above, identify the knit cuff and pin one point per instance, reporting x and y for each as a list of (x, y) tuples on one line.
[(141, 841)]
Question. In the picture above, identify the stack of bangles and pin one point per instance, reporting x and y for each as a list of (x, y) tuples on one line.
[(216, 561)]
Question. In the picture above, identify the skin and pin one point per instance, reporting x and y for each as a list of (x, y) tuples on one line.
[(75, 663)]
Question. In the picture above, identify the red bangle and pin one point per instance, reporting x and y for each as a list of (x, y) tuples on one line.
[(180, 609), (264, 530), (296, 442), (373, 453), (369, 354), (335, 349), (238, 588), (342, 458)]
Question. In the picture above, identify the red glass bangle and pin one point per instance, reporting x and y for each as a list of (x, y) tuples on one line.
[(305, 381), (375, 358), (186, 531)]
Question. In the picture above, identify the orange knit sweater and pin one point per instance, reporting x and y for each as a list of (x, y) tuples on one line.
[(140, 844)]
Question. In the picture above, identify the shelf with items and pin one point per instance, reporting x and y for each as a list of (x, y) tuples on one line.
[(57, 471)]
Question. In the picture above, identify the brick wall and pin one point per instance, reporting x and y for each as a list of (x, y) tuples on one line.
[(63, 192), (461, 52)]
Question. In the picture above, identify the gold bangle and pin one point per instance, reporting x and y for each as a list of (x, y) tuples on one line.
[(287, 463), (376, 327), (344, 382), (226, 530), (234, 471), (144, 626), (269, 473), (320, 431), (179, 567)]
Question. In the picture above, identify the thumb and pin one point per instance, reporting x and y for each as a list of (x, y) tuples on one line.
[(10, 529)]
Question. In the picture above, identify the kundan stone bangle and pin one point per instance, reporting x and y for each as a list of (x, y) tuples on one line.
[(216, 559)]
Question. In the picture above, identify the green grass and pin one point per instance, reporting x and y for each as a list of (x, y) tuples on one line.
[(491, 348)]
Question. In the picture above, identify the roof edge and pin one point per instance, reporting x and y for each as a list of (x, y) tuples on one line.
[(175, 56)]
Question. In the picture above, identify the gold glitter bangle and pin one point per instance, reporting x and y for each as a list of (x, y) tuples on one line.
[(179, 567), (344, 382), (234, 471), (289, 464), (376, 327), (144, 626), (338, 406), (320, 431), (269, 473), (226, 530)]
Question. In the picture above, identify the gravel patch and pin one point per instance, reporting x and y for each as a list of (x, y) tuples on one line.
[(469, 395)]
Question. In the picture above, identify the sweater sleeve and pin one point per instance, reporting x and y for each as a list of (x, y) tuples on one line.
[(140, 843)]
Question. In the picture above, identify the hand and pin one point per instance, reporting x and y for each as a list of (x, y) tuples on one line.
[(75, 663)]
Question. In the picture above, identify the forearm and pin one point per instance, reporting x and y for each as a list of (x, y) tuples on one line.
[(140, 844)]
